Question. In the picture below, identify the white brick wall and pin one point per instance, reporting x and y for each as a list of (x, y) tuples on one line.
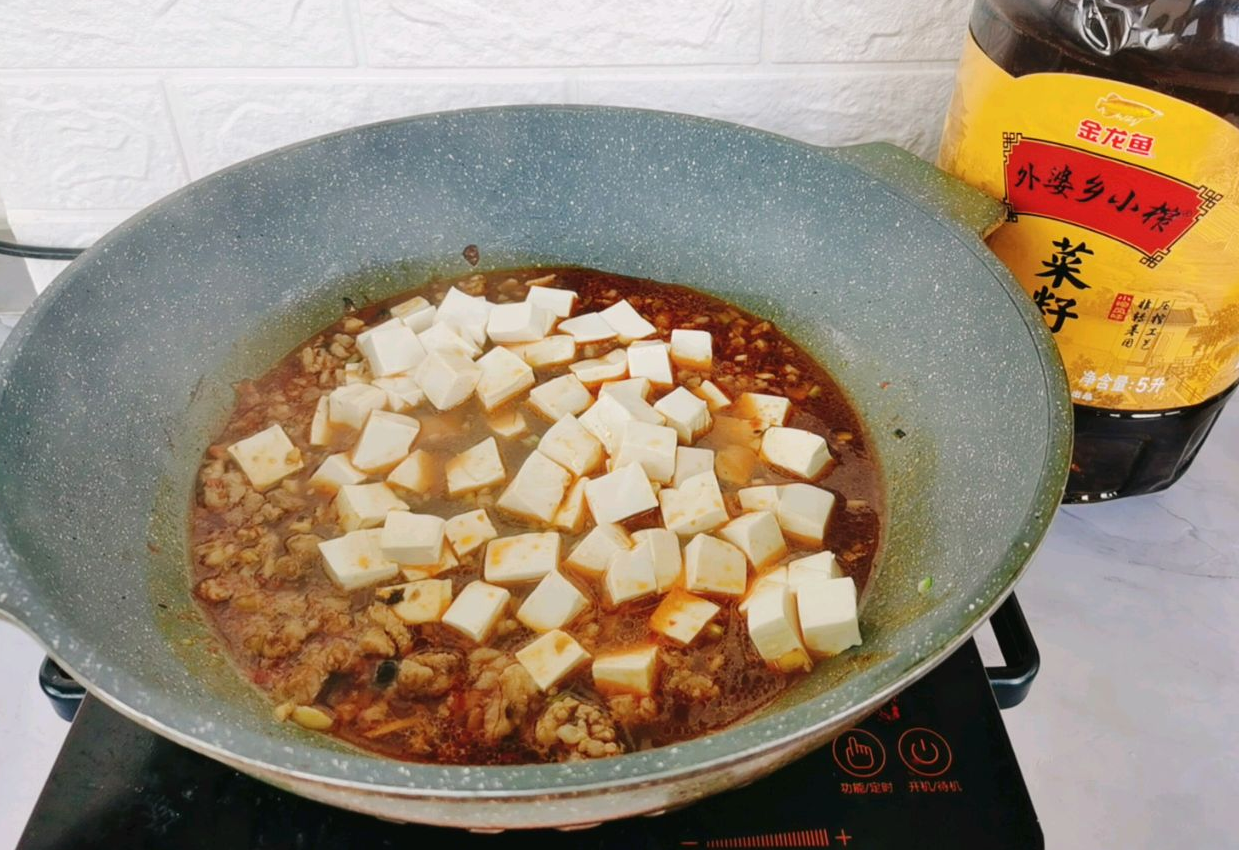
[(106, 106)]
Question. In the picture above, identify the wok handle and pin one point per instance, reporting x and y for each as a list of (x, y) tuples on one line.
[(1012, 680), (65, 693)]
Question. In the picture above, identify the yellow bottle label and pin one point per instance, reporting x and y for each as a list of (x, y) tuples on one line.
[(1123, 225)]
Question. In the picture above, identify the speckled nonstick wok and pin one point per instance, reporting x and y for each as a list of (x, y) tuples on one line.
[(113, 382)]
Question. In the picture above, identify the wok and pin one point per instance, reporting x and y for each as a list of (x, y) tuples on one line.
[(113, 382)]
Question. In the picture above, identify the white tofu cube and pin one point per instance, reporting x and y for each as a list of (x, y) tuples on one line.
[(476, 610), (620, 494), (558, 301), (817, 567), (663, 547), (385, 441), (551, 658), (555, 350), (638, 388), (774, 628), (523, 322), (804, 511), (390, 349), (758, 536), (356, 560), (475, 469), (766, 410), (560, 397), (609, 367), (687, 414), (778, 575), (761, 498), (417, 314), (508, 424), (416, 473), (630, 671), (693, 507), (412, 540), (692, 349), (320, 425), (630, 575), (464, 314), (350, 405), (828, 616), (554, 603), (681, 616), (521, 558), (571, 514), (650, 360), (587, 327), (800, 453), (266, 457), (627, 323), (571, 446), (334, 473), (470, 530), (650, 446), (689, 462), (592, 555), (447, 378), (417, 602), (504, 377), (365, 505), (712, 395), (714, 566), (447, 562), (443, 339), (403, 392), (537, 489), (607, 417)]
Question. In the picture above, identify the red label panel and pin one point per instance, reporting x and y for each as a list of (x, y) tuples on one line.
[(1122, 304), (1136, 206)]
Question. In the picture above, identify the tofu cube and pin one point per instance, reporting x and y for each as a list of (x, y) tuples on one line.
[(571, 514), (714, 566), (650, 360), (475, 468), (620, 494), (523, 322), (266, 457), (778, 575), (592, 555), (630, 575), (663, 547), (443, 339), (468, 531), (476, 610), (687, 414), (356, 560), (559, 301), (690, 461), (385, 441), (692, 349), (712, 395), (416, 473), (609, 367), (560, 397), (735, 465), (351, 404), (551, 658), (817, 567), (504, 377), (681, 616), (758, 536), (320, 425), (796, 452), (804, 511), (554, 603), (587, 327), (607, 417), (627, 323), (447, 562), (334, 473), (630, 671), (521, 558), (571, 446), (447, 378), (417, 602), (365, 505), (403, 392), (356, 373), (390, 349), (555, 350), (733, 430), (762, 498), (766, 410), (693, 507), (464, 314), (508, 424), (413, 540), (537, 489), (417, 314), (638, 388), (651, 446), (828, 617), (774, 628)]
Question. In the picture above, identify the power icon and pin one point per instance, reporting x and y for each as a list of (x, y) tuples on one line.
[(924, 752)]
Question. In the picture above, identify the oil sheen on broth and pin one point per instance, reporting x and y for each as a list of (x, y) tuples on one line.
[(349, 661)]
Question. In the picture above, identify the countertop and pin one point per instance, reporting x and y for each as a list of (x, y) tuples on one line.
[(1127, 739)]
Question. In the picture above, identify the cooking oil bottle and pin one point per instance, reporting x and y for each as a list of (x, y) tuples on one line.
[(1110, 128)]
